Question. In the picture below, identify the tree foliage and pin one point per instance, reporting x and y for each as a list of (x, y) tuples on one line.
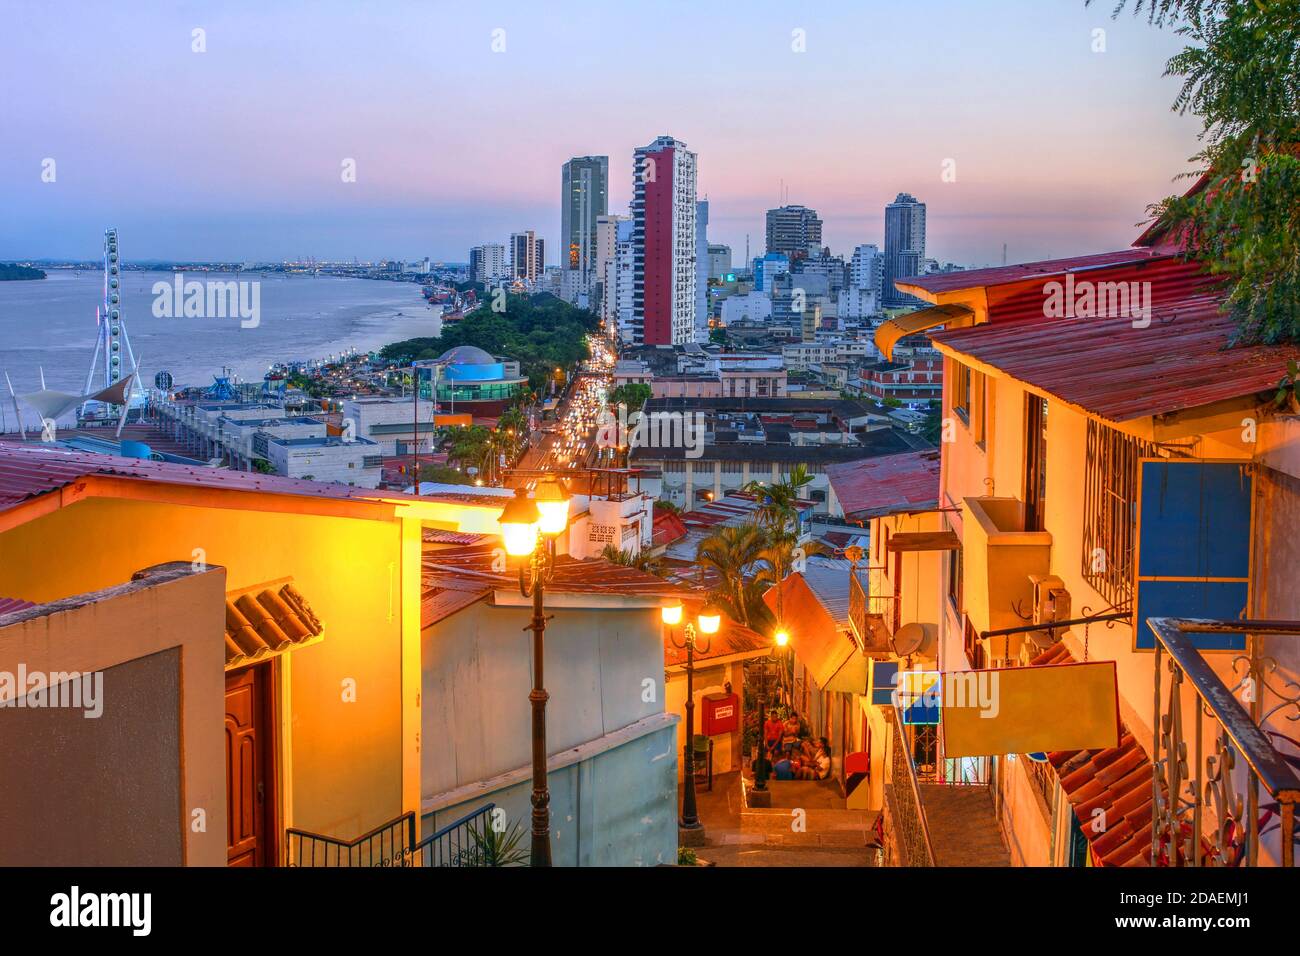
[(1241, 76), (541, 332)]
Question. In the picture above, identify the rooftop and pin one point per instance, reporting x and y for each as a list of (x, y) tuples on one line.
[(887, 485)]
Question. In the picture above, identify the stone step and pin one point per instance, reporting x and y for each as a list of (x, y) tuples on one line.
[(963, 827)]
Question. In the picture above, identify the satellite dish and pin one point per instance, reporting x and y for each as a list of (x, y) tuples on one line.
[(163, 381), (911, 638)]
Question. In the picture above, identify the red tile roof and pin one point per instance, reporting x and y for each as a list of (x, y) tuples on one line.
[(1002, 275), (1120, 373), (265, 622), (27, 471), (442, 536), (887, 485), (9, 605)]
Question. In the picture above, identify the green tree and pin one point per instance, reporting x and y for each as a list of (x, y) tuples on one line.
[(1241, 76), (634, 395), (731, 551)]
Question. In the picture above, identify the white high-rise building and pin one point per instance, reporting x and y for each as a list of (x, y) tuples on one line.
[(488, 263), (606, 249), (664, 241), (867, 270)]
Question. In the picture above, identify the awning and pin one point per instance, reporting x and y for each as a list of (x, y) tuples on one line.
[(825, 647), (888, 333), (924, 541), (267, 620)]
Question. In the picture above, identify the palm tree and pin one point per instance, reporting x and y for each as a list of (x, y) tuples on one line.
[(778, 513), (641, 560), (731, 551)]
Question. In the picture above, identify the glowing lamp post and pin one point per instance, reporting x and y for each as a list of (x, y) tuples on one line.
[(529, 527), (708, 620)]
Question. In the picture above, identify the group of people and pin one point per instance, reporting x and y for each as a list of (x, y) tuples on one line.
[(792, 756)]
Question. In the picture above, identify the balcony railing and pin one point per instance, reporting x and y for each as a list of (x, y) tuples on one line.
[(1192, 789), (908, 839), (463, 842)]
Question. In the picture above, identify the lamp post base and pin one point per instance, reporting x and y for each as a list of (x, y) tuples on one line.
[(691, 836)]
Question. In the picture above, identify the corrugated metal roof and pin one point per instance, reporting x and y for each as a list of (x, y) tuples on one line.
[(828, 579), (27, 471), (473, 568), (1001, 275), (1118, 372), (888, 485)]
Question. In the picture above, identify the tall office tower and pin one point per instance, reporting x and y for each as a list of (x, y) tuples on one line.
[(487, 263), (663, 240), (606, 249), (792, 231), (584, 198), (527, 256), (904, 246), (702, 270)]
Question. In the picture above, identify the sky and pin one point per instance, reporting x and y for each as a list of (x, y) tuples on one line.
[(458, 118)]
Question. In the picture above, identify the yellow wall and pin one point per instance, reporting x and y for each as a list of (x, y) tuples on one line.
[(346, 758)]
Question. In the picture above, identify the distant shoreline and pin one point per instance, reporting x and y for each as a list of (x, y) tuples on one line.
[(9, 272)]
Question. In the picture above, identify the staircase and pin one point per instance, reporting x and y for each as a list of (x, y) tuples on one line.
[(963, 828)]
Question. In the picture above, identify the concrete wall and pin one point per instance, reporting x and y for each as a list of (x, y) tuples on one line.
[(344, 759), (604, 671), (120, 789)]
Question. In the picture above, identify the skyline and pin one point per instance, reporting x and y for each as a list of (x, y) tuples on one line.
[(209, 167)]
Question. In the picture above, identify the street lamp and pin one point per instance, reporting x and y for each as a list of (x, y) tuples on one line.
[(709, 620), (761, 766), (529, 527)]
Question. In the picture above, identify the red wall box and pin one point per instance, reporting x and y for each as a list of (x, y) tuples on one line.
[(720, 713)]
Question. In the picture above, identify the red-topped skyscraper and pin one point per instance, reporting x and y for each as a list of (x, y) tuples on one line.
[(663, 243)]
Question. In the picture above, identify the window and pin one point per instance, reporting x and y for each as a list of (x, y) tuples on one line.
[(954, 580), (1035, 490), (1110, 493), (961, 392)]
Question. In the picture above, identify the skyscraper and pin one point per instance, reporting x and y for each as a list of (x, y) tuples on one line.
[(904, 246), (487, 262), (607, 233), (792, 231), (584, 198), (527, 256), (663, 243)]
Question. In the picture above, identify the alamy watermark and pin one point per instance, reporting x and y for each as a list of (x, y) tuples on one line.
[(76, 690), (210, 299), (933, 690), (1085, 299), (654, 430)]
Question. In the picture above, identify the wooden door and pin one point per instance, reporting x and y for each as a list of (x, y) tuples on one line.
[(250, 839)]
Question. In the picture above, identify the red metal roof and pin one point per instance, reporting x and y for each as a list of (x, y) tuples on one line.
[(27, 471), (668, 527), (474, 569), (1121, 373), (887, 485), (1002, 275)]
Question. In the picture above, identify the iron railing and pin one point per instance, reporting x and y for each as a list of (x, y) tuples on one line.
[(910, 834), (386, 845), (1184, 789), (463, 842)]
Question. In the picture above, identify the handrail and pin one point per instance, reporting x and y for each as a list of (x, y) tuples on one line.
[(902, 760), (1274, 772), (390, 850), (442, 848), (1240, 734)]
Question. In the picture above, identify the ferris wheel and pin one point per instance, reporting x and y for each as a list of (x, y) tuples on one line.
[(112, 341)]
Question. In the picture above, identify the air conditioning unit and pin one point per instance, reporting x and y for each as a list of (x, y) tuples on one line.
[(1051, 599)]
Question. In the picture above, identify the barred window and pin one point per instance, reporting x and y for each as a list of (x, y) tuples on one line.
[(1110, 510)]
